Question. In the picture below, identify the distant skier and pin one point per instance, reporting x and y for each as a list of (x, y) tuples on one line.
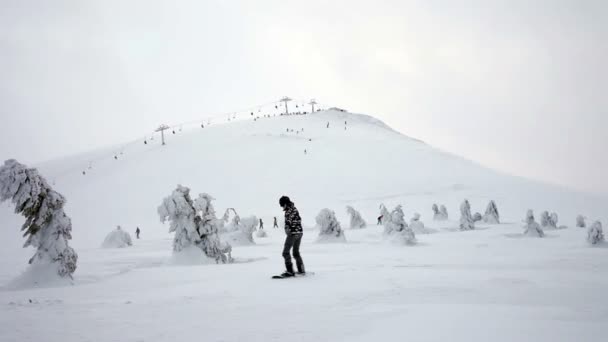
[(327, 124), (294, 232), (137, 231), (379, 220), (261, 224), (275, 224), (305, 152)]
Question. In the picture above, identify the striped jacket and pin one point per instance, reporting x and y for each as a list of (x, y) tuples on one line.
[(293, 222)]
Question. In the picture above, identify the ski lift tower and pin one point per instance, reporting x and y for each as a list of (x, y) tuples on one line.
[(285, 100), (162, 129), (312, 103)]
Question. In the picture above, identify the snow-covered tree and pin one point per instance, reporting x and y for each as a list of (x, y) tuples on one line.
[(243, 235), (418, 226), (356, 221), (491, 215), (117, 238), (477, 217), (329, 227), (383, 213), (47, 228), (443, 211), (595, 233), (531, 228), (208, 227), (397, 230), (234, 223), (194, 224), (545, 220), (178, 209), (580, 221), (261, 233), (466, 220), (439, 214)]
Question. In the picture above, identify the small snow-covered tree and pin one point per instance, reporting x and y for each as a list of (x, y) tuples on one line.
[(356, 221), (178, 209), (580, 221), (243, 235), (383, 213), (117, 238), (234, 223), (595, 233), (397, 230), (418, 226), (261, 233), (194, 224), (491, 215), (439, 214), (531, 228), (47, 227), (208, 226), (466, 220), (545, 220), (444, 211), (329, 227), (477, 217)]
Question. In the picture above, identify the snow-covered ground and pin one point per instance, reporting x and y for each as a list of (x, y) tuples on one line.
[(487, 284)]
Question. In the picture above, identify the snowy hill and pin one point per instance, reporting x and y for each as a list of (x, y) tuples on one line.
[(327, 159)]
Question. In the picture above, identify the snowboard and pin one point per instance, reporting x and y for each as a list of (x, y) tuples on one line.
[(307, 274)]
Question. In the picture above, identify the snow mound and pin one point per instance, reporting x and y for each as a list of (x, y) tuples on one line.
[(117, 238)]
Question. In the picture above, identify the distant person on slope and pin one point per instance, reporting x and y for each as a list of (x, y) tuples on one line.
[(261, 224), (275, 225), (137, 231), (293, 229)]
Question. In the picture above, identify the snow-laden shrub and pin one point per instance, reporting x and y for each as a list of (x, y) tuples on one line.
[(261, 233), (466, 220), (356, 221), (47, 228), (117, 238), (194, 224), (231, 225), (545, 220), (397, 230), (439, 215), (477, 217), (383, 213), (418, 226), (595, 234), (531, 228), (491, 215), (208, 227), (329, 227), (443, 211), (549, 221), (243, 235), (580, 221)]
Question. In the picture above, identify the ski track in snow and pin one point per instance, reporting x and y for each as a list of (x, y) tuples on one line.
[(489, 284)]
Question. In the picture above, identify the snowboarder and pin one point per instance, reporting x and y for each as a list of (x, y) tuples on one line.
[(275, 225), (261, 224), (137, 231), (294, 232)]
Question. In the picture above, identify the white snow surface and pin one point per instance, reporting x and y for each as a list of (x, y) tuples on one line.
[(480, 285)]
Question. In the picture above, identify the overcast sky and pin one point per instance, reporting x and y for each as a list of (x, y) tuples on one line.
[(519, 86)]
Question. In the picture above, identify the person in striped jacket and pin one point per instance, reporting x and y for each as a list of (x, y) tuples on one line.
[(294, 232)]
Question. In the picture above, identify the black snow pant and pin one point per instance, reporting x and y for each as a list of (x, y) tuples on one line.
[(293, 241)]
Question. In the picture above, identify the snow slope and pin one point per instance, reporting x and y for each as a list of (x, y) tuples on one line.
[(487, 283)]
